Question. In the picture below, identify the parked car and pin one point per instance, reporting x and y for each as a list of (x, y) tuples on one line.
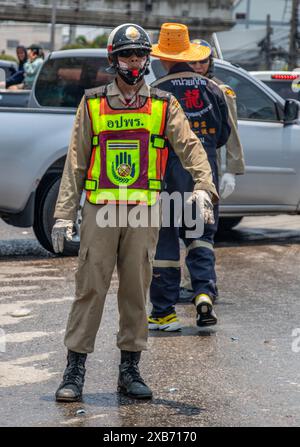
[(34, 142), (285, 83)]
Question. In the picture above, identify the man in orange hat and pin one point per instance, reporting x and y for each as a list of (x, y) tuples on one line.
[(205, 107), (234, 154), (235, 164)]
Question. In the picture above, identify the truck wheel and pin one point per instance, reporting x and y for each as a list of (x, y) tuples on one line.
[(44, 220), (227, 223)]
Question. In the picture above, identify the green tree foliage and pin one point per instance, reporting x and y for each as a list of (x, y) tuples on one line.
[(7, 57), (81, 42)]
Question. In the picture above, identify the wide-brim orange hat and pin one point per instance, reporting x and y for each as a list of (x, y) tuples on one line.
[(174, 45)]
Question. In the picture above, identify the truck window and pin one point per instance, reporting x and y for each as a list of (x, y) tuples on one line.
[(284, 89), (62, 81), (252, 103)]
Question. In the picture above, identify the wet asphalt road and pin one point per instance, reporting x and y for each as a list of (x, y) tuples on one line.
[(243, 372)]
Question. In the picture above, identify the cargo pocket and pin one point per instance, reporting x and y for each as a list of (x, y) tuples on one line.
[(82, 273), (151, 255), (83, 254), (148, 268)]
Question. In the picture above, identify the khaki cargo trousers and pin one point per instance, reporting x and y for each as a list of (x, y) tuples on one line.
[(132, 250)]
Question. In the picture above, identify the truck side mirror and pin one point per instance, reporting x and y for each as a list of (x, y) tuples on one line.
[(2, 77), (291, 111)]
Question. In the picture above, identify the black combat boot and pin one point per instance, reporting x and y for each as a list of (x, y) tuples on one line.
[(130, 382), (70, 389)]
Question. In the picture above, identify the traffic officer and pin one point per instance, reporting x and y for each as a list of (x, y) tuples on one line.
[(117, 154), (205, 107), (234, 154), (235, 164)]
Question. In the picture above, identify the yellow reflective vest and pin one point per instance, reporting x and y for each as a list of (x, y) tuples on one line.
[(129, 151)]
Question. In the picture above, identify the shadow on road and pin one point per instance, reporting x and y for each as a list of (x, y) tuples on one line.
[(187, 331), (257, 236), (22, 249), (30, 249), (117, 400)]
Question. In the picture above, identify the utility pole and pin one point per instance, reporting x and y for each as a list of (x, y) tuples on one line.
[(294, 35), (72, 33), (53, 23), (248, 13), (268, 43)]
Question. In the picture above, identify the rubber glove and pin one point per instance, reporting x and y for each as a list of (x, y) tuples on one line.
[(203, 200), (62, 229), (227, 185)]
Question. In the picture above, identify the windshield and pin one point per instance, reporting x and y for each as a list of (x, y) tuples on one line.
[(62, 81), (284, 89)]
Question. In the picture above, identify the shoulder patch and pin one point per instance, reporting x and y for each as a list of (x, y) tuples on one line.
[(229, 92), (95, 92)]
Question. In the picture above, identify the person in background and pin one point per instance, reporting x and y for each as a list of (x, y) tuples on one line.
[(32, 66), (18, 76), (235, 164), (35, 56), (206, 111)]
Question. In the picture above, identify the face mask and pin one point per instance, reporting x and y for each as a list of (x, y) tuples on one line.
[(124, 66), (132, 76)]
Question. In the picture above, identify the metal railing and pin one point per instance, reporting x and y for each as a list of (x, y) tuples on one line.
[(104, 13)]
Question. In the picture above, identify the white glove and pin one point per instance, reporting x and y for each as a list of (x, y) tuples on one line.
[(62, 229), (227, 185), (205, 205)]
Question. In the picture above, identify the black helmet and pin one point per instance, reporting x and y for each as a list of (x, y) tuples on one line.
[(128, 37), (207, 48)]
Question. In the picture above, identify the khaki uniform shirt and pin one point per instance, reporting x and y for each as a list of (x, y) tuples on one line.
[(235, 163), (184, 142)]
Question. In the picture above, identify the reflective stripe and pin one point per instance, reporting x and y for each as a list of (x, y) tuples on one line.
[(158, 141), (154, 184), (90, 185), (166, 263), (95, 141), (197, 244), (95, 166)]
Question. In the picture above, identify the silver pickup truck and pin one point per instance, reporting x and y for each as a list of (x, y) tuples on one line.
[(34, 142)]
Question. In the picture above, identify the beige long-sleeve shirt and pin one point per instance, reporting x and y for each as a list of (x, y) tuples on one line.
[(235, 163), (184, 142)]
